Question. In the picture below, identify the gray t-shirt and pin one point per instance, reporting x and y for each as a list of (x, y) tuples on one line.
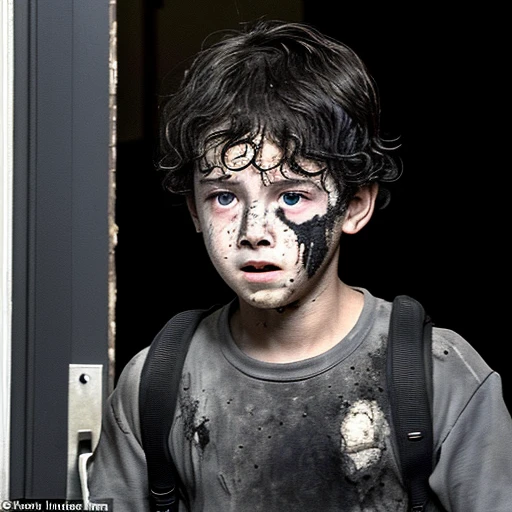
[(313, 434)]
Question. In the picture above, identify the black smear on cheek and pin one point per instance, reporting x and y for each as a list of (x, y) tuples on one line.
[(313, 235), (245, 222)]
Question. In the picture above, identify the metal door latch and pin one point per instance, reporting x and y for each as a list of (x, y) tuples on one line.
[(85, 403)]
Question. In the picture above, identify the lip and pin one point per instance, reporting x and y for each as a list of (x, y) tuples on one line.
[(261, 271)]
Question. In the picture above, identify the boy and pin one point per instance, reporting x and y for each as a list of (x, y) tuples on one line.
[(273, 137)]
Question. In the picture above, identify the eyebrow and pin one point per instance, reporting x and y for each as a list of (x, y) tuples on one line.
[(219, 179), (285, 182)]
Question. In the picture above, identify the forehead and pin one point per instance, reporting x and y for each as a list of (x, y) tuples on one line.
[(241, 153), (261, 154)]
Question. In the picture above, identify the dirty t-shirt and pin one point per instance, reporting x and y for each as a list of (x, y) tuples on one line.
[(312, 434), (251, 436)]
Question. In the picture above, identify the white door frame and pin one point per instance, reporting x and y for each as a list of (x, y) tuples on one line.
[(6, 199)]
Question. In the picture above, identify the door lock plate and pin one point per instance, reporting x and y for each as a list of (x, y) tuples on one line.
[(85, 403)]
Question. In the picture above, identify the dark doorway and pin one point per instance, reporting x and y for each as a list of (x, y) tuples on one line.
[(438, 82)]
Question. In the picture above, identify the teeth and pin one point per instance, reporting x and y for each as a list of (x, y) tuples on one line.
[(266, 268)]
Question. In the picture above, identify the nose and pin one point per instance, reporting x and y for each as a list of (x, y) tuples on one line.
[(255, 229)]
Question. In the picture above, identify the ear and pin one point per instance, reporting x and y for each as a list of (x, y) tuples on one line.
[(191, 204), (360, 209)]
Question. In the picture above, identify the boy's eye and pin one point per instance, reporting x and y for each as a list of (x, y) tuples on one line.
[(225, 198), (291, 198)]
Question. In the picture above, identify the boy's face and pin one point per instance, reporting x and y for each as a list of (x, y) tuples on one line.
[(270, 233)]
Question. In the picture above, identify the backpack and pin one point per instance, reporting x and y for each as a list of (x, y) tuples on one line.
[(409, 379)]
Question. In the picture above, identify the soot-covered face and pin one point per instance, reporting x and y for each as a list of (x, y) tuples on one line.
[(271, 231)]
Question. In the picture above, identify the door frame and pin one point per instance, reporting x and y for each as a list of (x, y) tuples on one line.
[(63, 229)]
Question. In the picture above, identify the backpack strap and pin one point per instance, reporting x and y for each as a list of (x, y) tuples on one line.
[(409, 366), (158, 393)]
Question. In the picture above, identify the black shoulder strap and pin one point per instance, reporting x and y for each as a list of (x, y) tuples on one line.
[(158, 392), (409, 361)]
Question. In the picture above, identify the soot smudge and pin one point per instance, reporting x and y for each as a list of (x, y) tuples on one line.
[(312, 234)]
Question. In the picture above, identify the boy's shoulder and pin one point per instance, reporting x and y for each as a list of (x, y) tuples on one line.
[(124, 400), (450, 348), (459, 372)]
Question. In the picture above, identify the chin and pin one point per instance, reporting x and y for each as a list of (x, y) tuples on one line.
[(270, 299)]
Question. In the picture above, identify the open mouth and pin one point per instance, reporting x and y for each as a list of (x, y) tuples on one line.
[(263, 268)]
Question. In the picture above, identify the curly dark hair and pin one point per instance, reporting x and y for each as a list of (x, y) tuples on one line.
[(312, 95)]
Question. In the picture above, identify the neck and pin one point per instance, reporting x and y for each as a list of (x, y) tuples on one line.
[(300, 330)]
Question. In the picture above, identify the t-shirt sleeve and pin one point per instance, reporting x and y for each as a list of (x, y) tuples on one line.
[(117, 469), (474, 431)]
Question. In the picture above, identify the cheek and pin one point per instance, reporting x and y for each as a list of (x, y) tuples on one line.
[(315, 245), (220, 236), (288, 241), (315, 238)]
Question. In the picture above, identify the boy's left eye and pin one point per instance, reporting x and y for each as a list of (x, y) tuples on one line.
[(291, 198)]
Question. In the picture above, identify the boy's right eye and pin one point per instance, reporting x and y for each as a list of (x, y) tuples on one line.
[(225, 198)]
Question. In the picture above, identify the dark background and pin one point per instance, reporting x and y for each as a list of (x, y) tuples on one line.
[(442, 239)]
